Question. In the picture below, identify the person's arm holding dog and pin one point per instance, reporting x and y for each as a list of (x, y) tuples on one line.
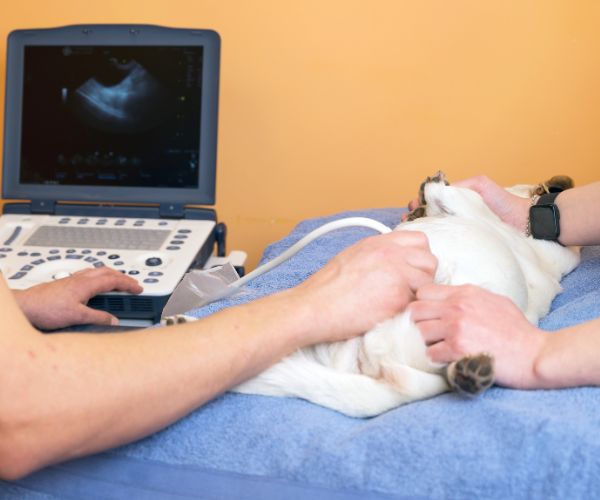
[(67, 395), (579, 209), (459, 320), (456, 321)]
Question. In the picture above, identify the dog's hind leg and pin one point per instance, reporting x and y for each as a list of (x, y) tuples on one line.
[(353, 394), (414, 383)]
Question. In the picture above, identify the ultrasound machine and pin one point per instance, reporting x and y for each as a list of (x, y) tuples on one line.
[(110, 136)]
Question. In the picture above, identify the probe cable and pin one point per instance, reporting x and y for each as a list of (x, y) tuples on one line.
[(313, 235)]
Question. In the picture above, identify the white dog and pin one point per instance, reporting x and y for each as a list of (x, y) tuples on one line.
[(388, 366)]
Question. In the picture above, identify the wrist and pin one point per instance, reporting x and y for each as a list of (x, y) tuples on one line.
[(541, 375), (544, 217), (22, 298), (318, 322), (521, 369), (295, 312), (556, 366), (30, 306)]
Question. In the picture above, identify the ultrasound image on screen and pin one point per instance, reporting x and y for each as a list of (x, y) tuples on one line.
[(111, 116)]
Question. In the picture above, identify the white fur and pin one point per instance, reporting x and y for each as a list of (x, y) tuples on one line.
[(388, 366)]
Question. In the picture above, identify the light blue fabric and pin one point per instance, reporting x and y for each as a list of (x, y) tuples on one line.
[(505, 444)]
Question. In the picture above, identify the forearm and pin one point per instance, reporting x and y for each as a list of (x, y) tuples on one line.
[(570, 357), (579, 209), (77, 394), (580, 215)]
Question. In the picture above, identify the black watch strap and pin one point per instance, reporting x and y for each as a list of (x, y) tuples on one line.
[(544, 218)]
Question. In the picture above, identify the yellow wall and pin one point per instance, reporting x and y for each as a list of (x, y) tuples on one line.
[(344, 104)]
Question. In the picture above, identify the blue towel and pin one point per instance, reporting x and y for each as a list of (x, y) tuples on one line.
[(505, 444)]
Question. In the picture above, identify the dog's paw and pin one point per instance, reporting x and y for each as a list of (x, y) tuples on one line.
[(439, 177), (417, 213), (421, 210), (555, 184), (471, 375), (176, 320)]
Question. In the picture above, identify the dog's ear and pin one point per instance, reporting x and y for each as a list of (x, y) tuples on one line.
[(556, 184)]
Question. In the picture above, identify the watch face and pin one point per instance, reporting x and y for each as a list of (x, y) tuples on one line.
[(544, 222)]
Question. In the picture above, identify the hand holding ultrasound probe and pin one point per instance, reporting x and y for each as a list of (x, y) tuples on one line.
[(75, 394)]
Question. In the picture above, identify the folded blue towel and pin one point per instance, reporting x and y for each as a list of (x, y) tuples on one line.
[(505, 444)]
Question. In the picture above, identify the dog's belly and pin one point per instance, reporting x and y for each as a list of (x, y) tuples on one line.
[(468, 252)]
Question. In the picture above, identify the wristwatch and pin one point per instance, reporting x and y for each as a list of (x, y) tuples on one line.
[(544, 218)]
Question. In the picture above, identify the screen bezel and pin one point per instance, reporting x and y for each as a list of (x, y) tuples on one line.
[(111, 35)]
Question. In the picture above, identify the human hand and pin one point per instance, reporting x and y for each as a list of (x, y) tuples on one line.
[(62, 303), (511, 208), (367, 283), (460, 320)]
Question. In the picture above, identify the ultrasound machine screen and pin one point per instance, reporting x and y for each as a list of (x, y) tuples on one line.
[(111, 116)]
